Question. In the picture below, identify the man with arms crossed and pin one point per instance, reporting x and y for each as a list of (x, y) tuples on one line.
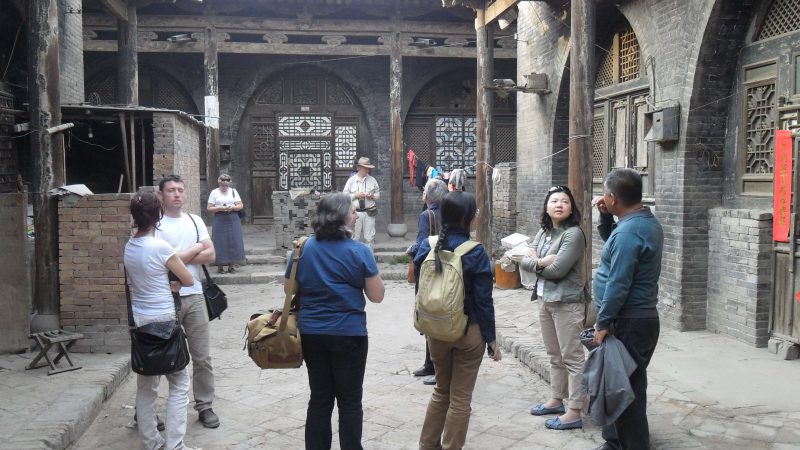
[(183, 232), (626, 292)]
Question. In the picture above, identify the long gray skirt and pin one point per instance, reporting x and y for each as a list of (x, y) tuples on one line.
[(227, 237)]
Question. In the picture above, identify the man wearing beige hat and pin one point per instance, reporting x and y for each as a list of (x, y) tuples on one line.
[(364, 191)]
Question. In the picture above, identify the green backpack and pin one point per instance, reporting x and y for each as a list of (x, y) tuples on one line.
[(439, 307)]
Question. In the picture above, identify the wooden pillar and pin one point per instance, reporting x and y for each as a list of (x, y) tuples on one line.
[(128, 59), (48, 155), (397, 226), (210, 61), (484, 111), (581, 104)]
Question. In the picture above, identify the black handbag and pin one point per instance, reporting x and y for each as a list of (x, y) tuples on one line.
[(216, 301), (157, 348)]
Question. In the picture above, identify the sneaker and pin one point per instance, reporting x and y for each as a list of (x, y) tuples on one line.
[(423, 371), (159, 423), (209, 419), (429, 380)]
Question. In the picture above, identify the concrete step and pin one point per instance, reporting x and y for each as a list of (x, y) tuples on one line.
[(274, 273), (261, 259)]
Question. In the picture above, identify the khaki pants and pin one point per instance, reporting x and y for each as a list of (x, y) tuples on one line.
[(561, 325), (364, 229), (456, 364), (194, 318)]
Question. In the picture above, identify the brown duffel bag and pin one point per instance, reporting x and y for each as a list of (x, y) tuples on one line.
[(273, 340)]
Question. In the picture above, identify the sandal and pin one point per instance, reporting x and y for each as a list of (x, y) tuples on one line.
[(541, 410)]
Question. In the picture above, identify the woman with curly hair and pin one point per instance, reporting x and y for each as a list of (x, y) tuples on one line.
[(334, 273)]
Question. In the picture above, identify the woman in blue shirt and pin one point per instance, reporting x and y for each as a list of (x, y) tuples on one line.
[(457, 363), (334, 273)]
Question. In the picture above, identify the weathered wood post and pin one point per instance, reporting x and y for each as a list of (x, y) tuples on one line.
[(581, 101), (211, 106), (48, 156), (484, 111), (397, 225), (128, 58)]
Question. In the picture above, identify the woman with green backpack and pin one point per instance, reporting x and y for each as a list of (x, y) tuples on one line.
[(458, 357)]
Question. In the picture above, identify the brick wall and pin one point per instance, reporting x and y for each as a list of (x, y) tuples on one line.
[(70, 51), (92, 233), (504, 200), (739, 279), (177, 143)]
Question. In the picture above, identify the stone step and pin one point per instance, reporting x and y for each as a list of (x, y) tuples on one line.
[(274, 273), (261, 259)]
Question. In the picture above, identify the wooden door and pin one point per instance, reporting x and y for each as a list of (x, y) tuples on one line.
[(785, 315), (263, 170)]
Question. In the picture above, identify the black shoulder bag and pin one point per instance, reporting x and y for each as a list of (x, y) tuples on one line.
[(216, 300), (157, 348)]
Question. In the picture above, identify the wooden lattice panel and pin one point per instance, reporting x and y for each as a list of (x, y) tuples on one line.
[(598, 145), (760, 129), (628, 56), (783, 17), (605, 72), (505, 144), (418, 138)]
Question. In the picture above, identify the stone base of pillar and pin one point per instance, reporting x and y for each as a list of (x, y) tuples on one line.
[(397, 229)]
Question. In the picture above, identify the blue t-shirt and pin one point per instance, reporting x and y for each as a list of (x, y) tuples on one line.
[(330, 275)]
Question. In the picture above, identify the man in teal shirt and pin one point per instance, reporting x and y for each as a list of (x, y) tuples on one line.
[(625, 290)]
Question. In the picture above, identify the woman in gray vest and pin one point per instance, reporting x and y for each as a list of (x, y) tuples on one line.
[(555, 257)]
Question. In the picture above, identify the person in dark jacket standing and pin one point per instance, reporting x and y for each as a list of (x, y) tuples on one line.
[(626, 293)]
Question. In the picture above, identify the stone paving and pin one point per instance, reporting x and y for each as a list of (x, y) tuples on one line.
[(266, 409)]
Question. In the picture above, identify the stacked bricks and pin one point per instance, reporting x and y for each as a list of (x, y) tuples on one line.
[(504, 202), (176, 150), (292, 217), (739, 277), (92, 234)]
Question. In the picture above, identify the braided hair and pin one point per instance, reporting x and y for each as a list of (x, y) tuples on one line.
[(458, 210)]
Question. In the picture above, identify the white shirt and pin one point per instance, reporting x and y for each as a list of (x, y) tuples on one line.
[(181, 234), (145, 261), (367, 184), (219, 198)]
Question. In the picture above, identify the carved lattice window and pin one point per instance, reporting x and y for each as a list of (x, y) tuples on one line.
[(346, 144), (599, 145), (305, 156), (304, 91), (263, 145), (455, 143), (505, 143), (783, 17), (760, 129), (621, 60)]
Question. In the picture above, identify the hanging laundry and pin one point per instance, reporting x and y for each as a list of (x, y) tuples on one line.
[(412, 162)]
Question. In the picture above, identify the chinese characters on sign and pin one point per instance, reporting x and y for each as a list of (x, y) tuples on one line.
[(783, 186)]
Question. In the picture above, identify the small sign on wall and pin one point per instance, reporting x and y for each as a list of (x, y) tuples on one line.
[(781, 223)]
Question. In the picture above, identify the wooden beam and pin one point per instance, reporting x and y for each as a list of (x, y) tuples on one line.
[(117, 8), (211, 102), (498, 8), (484, 112), (128, 60), (396, 130)]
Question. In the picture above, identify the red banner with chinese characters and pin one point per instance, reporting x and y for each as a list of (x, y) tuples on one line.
[(781, 222)]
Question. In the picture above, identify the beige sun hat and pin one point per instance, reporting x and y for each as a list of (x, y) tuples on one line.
[(365, 162)]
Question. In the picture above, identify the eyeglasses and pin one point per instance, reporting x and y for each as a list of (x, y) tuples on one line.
[(559, 188)]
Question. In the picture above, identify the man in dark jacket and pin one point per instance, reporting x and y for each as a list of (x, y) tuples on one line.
[(626, 293)]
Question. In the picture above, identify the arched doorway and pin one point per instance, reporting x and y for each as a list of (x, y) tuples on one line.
[(157, 89), (303, 130), (441, 125)]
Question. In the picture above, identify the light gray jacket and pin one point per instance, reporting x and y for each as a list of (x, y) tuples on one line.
[(563, 281)]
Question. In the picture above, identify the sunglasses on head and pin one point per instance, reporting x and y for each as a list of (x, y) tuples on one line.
[(559, 188), (224, 179)]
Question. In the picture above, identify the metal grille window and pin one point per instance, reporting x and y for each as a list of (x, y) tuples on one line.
[(783, 17), (621, 62)]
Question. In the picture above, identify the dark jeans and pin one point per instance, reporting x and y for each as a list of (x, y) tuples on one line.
[(335, 371), (631, 431)]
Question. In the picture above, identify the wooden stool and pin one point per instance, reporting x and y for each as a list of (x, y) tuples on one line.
[(63, 340)]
